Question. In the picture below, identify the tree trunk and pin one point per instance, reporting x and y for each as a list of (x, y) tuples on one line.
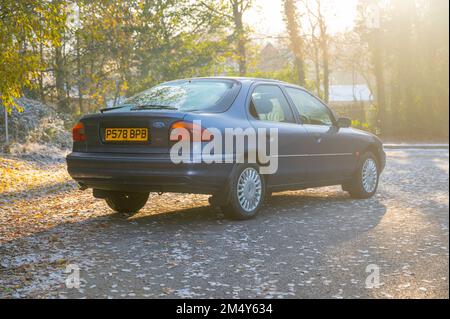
[(317, 70), (60, 79), (326, 68), (80, 80), (241, 38), (405, 69), (41, 74), (377, 61), (295, 39), (325, 52)]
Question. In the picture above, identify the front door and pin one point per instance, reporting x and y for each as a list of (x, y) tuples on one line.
[(331, 155)]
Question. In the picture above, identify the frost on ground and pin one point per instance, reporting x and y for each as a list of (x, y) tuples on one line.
[(307, 244), (37, 129)]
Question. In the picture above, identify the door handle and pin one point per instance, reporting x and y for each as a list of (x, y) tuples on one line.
[(318, 137)]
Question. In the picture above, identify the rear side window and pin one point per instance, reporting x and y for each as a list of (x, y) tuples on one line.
[(188, 96), (311, 110), (268, 103)]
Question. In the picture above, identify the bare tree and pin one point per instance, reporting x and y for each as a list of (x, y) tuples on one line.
[(234, 10), (314, 53), (323, 41)]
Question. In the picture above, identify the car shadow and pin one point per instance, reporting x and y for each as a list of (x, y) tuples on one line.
[(297, 219), (294, 205), (290, 205)]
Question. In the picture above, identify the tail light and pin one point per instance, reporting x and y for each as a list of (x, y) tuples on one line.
[(78, 133), (205, 135)]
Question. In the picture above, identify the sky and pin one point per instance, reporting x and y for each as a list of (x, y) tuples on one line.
[(266, 17)]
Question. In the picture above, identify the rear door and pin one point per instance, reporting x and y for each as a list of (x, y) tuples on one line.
[(269, 108), (330, 151)]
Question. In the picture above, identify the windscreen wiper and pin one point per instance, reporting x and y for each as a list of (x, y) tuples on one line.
[(113, 108), (153, 107)]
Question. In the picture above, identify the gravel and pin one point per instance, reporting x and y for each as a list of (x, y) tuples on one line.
[(305, 244)]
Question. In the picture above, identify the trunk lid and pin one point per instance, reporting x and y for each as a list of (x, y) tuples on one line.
[(158, 123)]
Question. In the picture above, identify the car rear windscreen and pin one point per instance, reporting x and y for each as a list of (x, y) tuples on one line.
[(188, 96)]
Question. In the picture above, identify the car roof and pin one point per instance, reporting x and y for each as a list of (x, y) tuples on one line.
[(241, 79)]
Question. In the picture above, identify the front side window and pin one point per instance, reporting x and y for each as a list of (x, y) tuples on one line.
[(187, 96), (269, 104), (311, 110)]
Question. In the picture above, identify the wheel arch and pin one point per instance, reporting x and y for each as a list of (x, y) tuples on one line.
[(373, 149)]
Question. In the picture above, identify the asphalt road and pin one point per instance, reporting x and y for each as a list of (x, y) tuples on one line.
[(306, 244)]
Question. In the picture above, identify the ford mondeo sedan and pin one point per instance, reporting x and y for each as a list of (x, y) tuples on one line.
[(237, 139)]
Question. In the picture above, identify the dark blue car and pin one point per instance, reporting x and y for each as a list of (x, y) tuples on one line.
[(124, 153)]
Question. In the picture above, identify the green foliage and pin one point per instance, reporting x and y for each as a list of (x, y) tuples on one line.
[(122, 47), (359, 125), (287, 74), (413, 43), (24, 26)]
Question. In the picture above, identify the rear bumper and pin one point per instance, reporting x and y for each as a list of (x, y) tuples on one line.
[(153, 173)]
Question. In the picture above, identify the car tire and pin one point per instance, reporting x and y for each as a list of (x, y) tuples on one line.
[(246, 193), (365, 181), (126, 203)]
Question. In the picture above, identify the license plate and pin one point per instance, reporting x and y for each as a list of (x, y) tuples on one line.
[(126, 135)]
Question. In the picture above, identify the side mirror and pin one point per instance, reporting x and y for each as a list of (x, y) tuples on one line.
[(344, 122)]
